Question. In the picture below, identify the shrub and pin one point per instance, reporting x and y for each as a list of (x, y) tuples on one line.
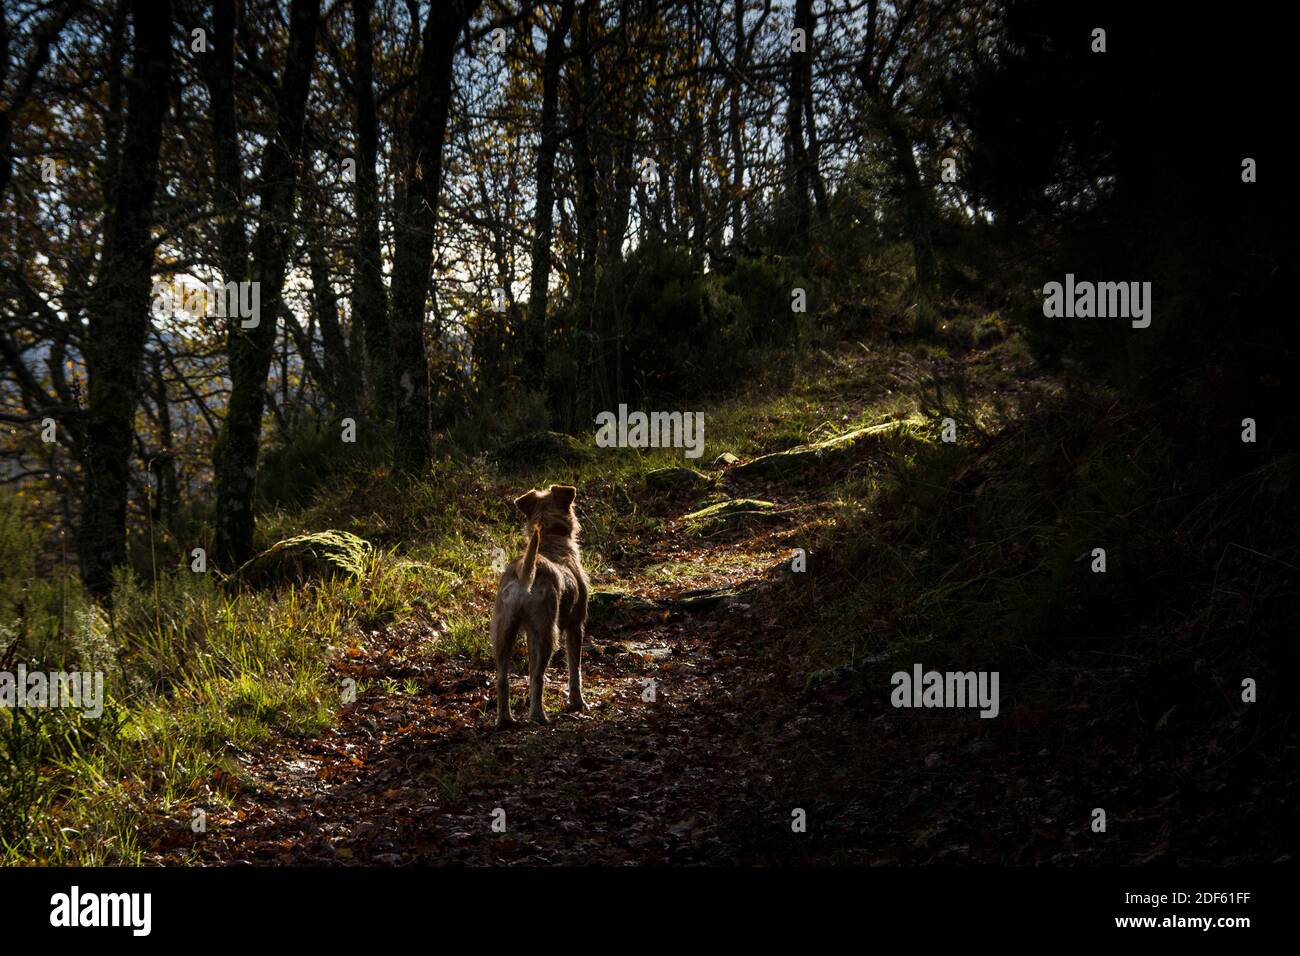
[(44, 614), (291, 472)]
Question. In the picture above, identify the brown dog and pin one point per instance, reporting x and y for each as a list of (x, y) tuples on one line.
[(545, 592)]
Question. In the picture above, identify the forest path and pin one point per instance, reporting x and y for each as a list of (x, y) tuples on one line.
[(712, 767), (414, 772)]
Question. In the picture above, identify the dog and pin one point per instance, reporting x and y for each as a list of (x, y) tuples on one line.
[(544, 592)]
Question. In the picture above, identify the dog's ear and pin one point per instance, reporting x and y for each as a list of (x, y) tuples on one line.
[(527, 503), (564, 494)]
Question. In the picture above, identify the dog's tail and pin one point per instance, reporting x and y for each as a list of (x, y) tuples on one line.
[(528, 570)]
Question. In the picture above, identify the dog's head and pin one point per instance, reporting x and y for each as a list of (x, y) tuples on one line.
[(552, 510)]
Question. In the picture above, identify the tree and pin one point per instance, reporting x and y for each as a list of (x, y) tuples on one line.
[(891, 71), (369, 298), (115, 337), (414, 239), (250, 349), (544, 211)]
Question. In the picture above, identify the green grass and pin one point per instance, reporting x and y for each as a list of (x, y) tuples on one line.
[(674, 572), (203, 677), (466, 636)]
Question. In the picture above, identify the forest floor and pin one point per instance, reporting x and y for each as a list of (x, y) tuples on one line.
[(704, 739), (656, 771)]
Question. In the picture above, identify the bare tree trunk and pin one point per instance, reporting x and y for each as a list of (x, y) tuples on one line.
[(694, 172), (734, 126), (625, 118), (369, 298), (114, 340), (251, 350), (587, 208), (344, 385), (804, 18), (916, 206), (166, 501), (6, 121), (794, 131), (414, 253), (540, 276), (227, 167), (302, 339), (117, 47)]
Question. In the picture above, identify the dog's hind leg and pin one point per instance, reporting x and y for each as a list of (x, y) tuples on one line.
[(504, 630), (573, 654), (574, 635), (542, 639)]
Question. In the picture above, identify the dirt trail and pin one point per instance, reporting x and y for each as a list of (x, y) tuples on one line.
[(415, 773)]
